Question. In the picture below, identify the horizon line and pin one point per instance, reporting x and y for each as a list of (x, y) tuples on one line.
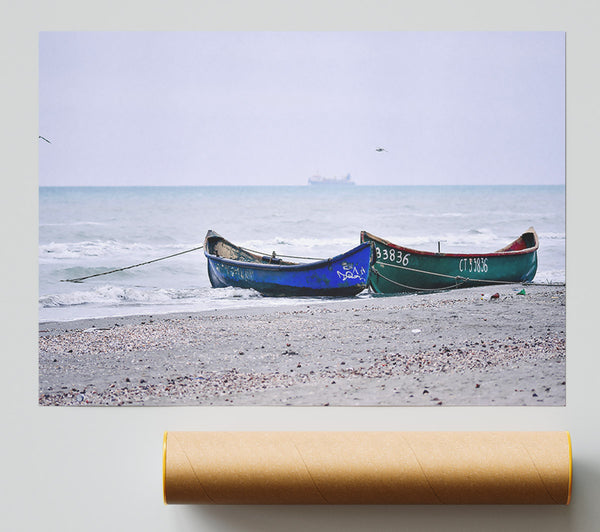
[(320, 187)]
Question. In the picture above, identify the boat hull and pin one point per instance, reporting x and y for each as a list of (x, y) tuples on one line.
[(343, 275), (398, 269)]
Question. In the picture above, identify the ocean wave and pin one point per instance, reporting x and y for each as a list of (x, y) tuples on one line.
[(110, 295), (550, 276), (70, 224), (552, 236), (474, 238), (303, 244), (100, 248), (440, 215)]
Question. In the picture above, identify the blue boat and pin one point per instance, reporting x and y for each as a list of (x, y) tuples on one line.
[(231, 265)]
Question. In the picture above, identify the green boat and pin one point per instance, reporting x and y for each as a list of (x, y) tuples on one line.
[(398, 269)]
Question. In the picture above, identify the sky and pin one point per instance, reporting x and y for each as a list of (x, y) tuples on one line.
[(275, 108)]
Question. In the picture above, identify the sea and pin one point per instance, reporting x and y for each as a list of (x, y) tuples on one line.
[(85, 231)]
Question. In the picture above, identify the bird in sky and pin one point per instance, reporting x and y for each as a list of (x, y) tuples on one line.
[(380, 149), (43, 138)]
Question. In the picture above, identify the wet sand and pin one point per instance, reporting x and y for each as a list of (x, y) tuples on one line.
[(451, 348)]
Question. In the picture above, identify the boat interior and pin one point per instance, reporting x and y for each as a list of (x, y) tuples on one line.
[(226, 250), (528, 240)]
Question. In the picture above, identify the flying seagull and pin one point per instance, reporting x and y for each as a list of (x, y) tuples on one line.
[(380, 149), (43, 138)]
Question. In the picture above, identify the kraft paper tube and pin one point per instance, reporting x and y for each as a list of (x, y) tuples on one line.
[(367, 467)]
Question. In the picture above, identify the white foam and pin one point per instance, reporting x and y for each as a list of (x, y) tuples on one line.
[(70, 224), (103, 248), (120, 295), (551, 236)]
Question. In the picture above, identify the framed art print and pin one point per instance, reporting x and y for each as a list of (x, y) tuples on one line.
[(302, 218)]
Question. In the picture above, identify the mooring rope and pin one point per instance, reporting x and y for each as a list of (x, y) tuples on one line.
[(418, 289), (458, 280), (79, 279), (484, 281)]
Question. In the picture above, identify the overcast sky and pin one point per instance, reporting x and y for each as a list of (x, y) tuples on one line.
[(231, 108)]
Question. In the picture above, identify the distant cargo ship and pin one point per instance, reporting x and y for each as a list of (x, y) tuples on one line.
[(318, 180)]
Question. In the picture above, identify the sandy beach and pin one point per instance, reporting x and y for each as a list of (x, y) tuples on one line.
[(452, 348)]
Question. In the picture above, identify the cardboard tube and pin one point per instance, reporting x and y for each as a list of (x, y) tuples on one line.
[(367, 467)]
